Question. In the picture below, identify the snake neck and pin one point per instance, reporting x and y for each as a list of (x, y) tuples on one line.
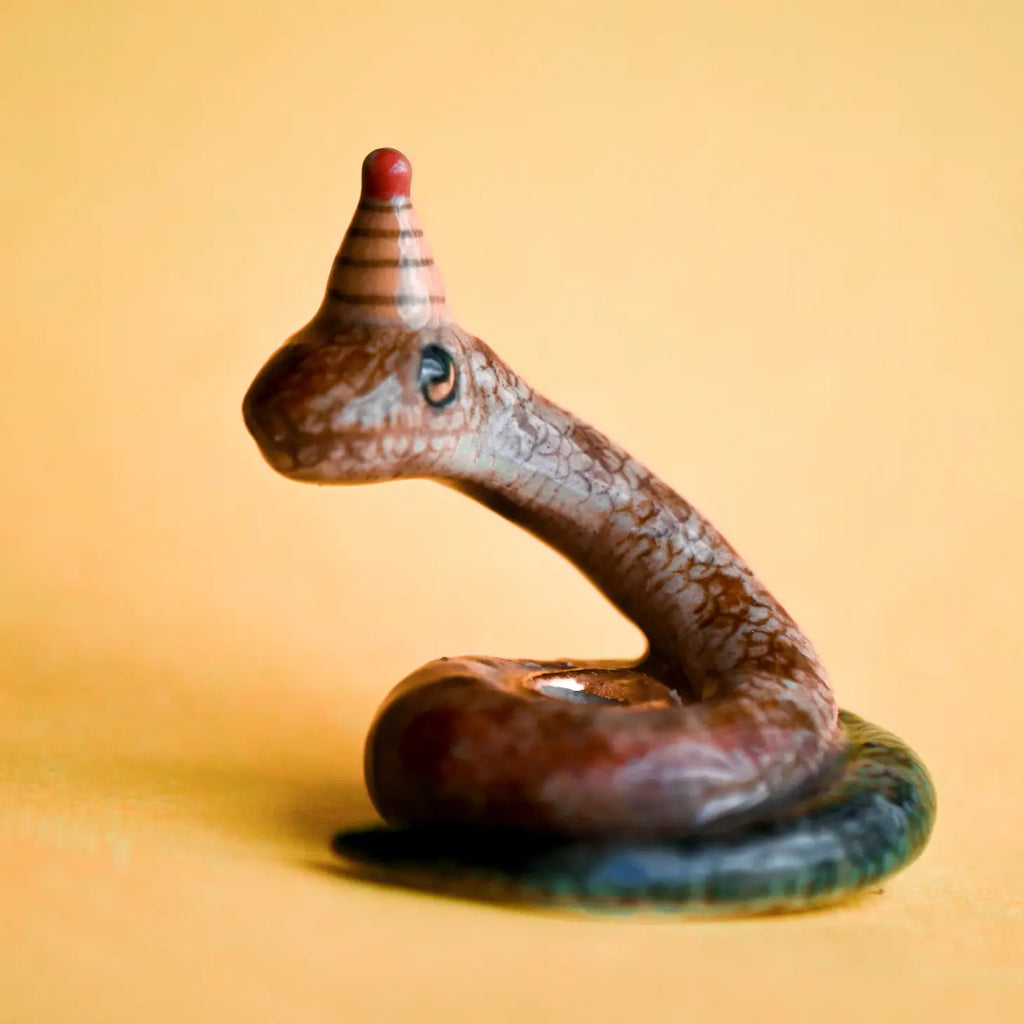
[(708, 622)]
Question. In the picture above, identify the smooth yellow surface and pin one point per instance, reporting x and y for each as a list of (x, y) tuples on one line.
[(774, 249)]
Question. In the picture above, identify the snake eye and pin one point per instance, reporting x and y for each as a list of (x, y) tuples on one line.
[(438, 378)]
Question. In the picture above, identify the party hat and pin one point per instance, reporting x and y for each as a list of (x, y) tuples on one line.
[(384, 270)]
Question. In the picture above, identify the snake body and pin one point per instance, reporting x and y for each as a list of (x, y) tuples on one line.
[(714, 775)]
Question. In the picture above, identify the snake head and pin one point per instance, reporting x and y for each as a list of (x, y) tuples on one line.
[(360, 402), (380, 383)]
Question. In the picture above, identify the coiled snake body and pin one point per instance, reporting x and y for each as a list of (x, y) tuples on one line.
[(715, 775)]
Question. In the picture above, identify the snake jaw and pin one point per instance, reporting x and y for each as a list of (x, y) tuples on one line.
[(344, 404)]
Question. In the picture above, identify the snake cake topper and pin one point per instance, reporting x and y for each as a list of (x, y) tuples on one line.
[(716, 775)]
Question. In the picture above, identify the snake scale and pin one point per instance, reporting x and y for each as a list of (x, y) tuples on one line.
[(716, 775)]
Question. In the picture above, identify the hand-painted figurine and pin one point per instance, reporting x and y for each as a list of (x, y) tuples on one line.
[(714, 776)]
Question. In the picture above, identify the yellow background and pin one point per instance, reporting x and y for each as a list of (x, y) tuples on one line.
[(774, 249)]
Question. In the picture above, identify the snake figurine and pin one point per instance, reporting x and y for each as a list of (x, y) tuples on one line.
[(716, 775)]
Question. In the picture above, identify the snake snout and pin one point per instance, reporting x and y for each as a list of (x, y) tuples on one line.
[(273, 426), (266, 433)]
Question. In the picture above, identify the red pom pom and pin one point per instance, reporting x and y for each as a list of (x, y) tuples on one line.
[(386, 174)]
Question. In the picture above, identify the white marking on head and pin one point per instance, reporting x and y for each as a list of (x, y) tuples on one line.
[(376, 406)]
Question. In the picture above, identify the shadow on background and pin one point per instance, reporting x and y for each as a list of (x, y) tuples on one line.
[(119, 747)]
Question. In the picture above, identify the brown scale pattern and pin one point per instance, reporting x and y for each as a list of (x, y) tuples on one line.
[(727, 712)]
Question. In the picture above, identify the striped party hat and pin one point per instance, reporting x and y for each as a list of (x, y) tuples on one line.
[(384, 270)]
